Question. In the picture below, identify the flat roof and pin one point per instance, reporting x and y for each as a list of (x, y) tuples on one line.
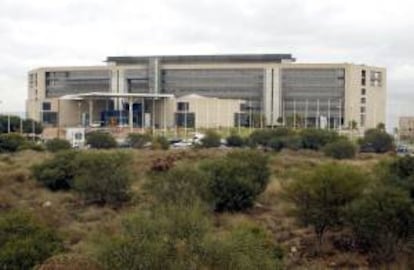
[(202, 58), (105, 95)]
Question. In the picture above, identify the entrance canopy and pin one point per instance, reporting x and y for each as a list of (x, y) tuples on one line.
[(106, 95)]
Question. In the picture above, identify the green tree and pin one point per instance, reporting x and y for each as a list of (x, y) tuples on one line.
[(210, 139), (341, 149), (316, 139), (235, 140), (58, 172), (25, 242), (382, 222), (100, 140), (16, 124), (103, 177), (234, 181), (264, 136), (11, 142), (56, 145), (379, 140), (320, 196)]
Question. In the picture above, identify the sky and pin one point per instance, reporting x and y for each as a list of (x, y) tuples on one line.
[(36, 33)]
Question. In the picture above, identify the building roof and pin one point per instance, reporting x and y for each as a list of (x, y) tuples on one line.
[(105, 95), (218, 58)]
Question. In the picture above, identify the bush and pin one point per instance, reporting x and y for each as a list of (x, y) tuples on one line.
[(24, 242), (11, 142), (137, 140), (321, 195), (100, 140), (210, 139), (55, 145), (31, 145), (264, 136), (15, 125), (341, 149), (382, 222), (160, 142), (376, 140), (181, 185), (235, 140), (235, 180), (400, 172), (57, 173), (103, 177), (315, 139)]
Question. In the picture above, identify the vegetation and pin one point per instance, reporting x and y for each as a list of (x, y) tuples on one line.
[(137, 140), (100, 140), (103, 177), (340, 149), (17, 124), (56, 145), (316, 139), (11, 142), (25, 242), (376, 140), (160, 142), (321, 196), (235, 180), (211, 139), (235, 140), (383, 223)]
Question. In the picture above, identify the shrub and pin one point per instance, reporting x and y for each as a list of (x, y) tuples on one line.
[(235, 180), (11, 142), (262, 137), (103, 177), (55, 145), (376, 140), (137, 140), (210, 139), (277, 143), (24, 242), (15, 125), (321, 195), (181, 185), (100, 140), (160, 142), (400, 172), (31, 145), (315, 139), (341, 149), (57, 173), (382, 222), (235, 140)]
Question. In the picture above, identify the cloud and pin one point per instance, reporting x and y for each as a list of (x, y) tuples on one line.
[(82, 32)]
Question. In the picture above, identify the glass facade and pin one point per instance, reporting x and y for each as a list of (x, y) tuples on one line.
[(309, 95), (59, 83), (137, 80), (244, 84)]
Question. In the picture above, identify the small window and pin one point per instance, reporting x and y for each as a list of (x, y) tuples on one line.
[(363, 91), (363, 100), (363, 73), (363, 109), (363, 81), (183, 106), (243, 107), (46, 106)]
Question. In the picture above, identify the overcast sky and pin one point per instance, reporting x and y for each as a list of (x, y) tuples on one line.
[(36, 33)]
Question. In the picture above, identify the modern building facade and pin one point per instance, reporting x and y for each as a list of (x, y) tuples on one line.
[(208, 91), (406, 127)]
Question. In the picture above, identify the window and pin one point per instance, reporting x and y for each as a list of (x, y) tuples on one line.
[(363, 77), (49, 118), (362, 122), (363, 110), (185, 120), (46, 106), (363, 91), (363, 100), (183, 106)]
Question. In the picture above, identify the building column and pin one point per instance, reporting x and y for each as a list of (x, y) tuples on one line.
[(131, 116), (90, 112)]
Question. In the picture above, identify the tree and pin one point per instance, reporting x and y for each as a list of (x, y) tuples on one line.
[(137, 140), (341, 149), (264, 136), (57, 173), (320, 196), (211, 139), (315, 139), (382, 222), (235, 140), (56, 145), (11, 142), (100, 140), (25, 242), (234, 181), (377, 140), (16, 124), (103, 177)]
